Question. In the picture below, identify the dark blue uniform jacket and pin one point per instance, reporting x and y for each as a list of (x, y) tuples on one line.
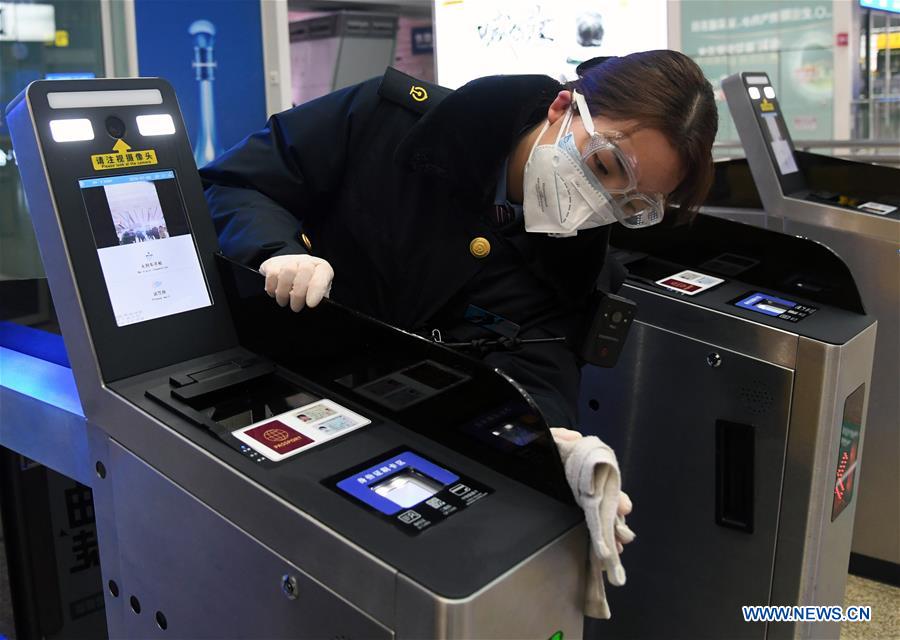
[(393, 197)]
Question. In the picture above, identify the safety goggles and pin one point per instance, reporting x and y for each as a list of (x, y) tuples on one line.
[(607, 157)]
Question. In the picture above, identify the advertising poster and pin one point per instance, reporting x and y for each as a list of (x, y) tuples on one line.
[(791, 40), (476, 38), (211, 52)]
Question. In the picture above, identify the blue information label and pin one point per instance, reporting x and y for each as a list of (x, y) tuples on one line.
[(769, 305), (361, 484), (774, 306)]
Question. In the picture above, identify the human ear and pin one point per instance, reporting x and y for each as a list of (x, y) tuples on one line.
[(560, 105)]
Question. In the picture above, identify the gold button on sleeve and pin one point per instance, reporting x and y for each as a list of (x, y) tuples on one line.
[(306, 241)]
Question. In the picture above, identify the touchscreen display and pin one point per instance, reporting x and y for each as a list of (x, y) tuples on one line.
[(407, 489), (147, 254), (784, 156)]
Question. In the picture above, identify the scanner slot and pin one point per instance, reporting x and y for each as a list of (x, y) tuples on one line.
[(234, 397), (214, 372), (734, 475), (200, 389), (240, 398)]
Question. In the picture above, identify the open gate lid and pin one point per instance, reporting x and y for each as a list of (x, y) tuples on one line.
[(430, 389)]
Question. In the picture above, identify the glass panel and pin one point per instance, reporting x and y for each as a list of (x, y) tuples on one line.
[(862, 72), (887, 118), (876, 113), (807, 88), (860, 120), (878, 46), (68, 42), (791, 41), (885, 47), (892, 51)]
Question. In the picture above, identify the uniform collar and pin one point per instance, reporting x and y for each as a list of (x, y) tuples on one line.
[(511, 211), (467, 137)]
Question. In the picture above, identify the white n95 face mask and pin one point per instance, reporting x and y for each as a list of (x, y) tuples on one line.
[(560, 196), (563, 195)]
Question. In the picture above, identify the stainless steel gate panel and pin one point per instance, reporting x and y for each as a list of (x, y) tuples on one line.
[(207, 577), (555, 600), (687, 372), (876, 265), (810, 537), (107, 534), (664, 433), (870, 246)]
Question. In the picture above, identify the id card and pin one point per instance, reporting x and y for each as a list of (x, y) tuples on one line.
[(298, 430), (690, 282), (877, 208)]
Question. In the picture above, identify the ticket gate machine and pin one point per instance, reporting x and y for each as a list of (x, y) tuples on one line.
[(259, 473), (853, 208), (737, 414)]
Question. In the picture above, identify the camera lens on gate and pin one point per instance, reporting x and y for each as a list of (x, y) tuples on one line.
[(115, 127)]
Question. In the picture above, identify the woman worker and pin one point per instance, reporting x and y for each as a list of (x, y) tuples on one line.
[(499, 195)]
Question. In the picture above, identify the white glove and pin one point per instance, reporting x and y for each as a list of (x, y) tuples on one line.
[(301, 280), (593, 474), (623, 533)]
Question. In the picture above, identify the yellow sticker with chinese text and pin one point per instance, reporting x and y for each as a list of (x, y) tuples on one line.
[(122, 157)]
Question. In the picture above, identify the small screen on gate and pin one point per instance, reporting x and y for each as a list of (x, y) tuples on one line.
[(147, 253)]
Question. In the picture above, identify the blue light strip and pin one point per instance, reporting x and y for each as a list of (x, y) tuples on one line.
[(48, 382), (134, 177), (882, 5), (34, 342), (85, 75)]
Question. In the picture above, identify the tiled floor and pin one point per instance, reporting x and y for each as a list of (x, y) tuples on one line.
[(885, 603)]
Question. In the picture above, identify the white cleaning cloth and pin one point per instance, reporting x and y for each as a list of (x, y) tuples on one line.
[(593, 474)]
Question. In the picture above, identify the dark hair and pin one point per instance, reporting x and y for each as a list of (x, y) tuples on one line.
[(663, 90)]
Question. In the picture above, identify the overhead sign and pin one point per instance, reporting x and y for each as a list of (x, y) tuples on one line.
[(27, 22), (477, 38), (882, 5)]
